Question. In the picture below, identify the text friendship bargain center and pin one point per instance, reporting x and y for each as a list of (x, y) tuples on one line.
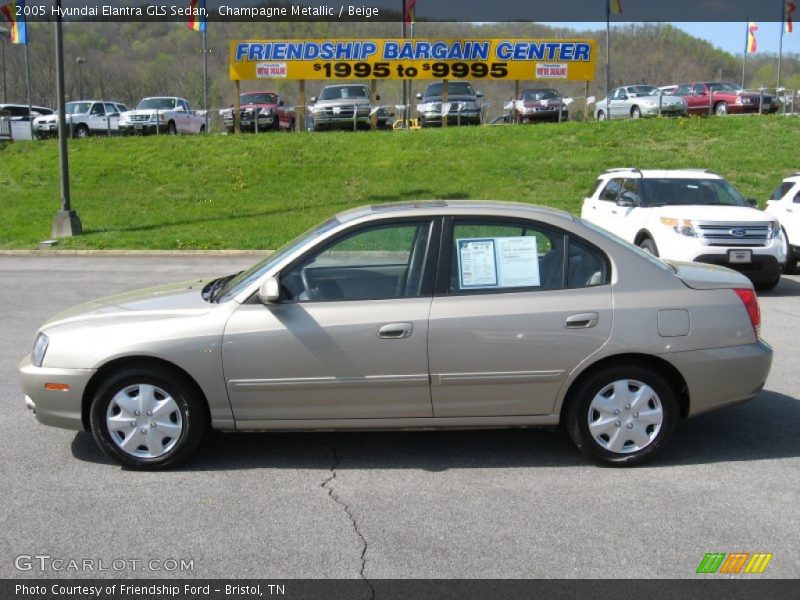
[(515, 59)]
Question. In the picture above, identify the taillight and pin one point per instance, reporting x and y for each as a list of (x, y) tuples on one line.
[(750, 300)]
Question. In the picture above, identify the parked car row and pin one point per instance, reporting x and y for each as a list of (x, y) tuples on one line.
[(85, 117)]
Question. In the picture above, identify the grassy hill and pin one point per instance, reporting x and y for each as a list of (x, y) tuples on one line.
[(209, 192)]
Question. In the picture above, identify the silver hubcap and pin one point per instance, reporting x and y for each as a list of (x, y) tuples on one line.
[(625, 416), (144, 421)]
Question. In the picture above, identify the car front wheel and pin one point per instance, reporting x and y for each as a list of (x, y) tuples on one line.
[(721, 109), (622, 415), (649, 246), (601, 116), (147, 418)]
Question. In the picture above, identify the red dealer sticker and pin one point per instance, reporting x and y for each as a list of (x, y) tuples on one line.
[(552, 70)]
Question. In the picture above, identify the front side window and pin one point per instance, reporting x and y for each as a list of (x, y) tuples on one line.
[(683, 90), (377, 263), (630, 191), (97, 109), (611, 190)]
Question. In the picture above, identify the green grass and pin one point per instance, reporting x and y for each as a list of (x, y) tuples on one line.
[(198, 192)]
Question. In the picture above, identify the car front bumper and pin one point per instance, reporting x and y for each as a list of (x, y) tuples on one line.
[(144, 127), (761, 269), (720, 377), (466, 117), (665, 111), (58, 408), (543, 115)]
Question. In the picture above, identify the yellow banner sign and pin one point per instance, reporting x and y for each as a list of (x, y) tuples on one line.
[(523, 59)]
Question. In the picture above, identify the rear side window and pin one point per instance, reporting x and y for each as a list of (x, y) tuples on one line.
[(781, 190), (586, 265), (611, 191)]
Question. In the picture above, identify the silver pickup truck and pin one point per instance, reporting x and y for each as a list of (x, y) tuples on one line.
[(346, 106)]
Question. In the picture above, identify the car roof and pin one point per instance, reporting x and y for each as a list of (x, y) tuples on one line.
[(463, 207), (793, 177), (661, 173)]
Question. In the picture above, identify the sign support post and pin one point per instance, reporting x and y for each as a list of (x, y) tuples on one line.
[(301, 109), (445, 100), (237, 125)]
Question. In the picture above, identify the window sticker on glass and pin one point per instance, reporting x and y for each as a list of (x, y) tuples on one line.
[(502, 262), (477, 263)]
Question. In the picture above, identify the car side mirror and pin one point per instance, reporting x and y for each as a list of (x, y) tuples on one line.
[(479, 94), (281, 103), (313, 99), (752, 202), (418, 96), (624, 202), (270, 291), (377, 96)]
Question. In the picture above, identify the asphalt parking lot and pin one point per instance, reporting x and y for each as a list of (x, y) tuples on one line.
[(489, 504)]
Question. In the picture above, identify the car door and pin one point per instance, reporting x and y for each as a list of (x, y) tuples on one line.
[(520, 307), (700, 99), (626, 212), (349, 338), (603, 210), (112, 117), (96, 120), (685, 92)]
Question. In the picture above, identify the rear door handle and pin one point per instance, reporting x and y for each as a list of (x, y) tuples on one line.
[(396, 331), (582, 320)]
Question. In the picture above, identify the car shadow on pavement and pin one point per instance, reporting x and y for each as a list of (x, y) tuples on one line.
[(765, 428), (788, 286)]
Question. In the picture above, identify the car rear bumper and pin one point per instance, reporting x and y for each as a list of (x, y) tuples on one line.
[(762, 269), (721, 377), (61, 408)]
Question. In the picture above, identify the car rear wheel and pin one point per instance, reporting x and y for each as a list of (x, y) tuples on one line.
[(791, 257), (601, 116), (81, 131), (171, 129), (649, 246), (721, 109), (622, 415), (147, 418), (636, 113)]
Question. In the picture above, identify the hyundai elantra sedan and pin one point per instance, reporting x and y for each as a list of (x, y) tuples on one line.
[(427, 315)]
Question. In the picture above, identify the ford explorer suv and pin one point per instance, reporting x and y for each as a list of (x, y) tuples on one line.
[(784, 205), (689, 215), (722, 98), (462, 106)]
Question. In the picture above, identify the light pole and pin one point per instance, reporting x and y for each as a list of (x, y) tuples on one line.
[(79, 61), (66, 223), (3, 35)]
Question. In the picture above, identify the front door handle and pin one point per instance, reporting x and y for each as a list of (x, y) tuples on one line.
[(582, 320), (396, 331)]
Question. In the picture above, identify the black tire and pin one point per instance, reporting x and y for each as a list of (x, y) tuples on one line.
[(81, 131), (202, 128), (580, 411), (636, 113), (721, 109), (276, 124), (791, 257), (171, 129), (191, 408), (601, 116), (648, 245), (292, 126), (765, 286)]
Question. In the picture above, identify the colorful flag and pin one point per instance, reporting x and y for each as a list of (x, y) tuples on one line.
[(790, 8), (19, 28), (409, 17), (615, 7), (197, 16), (752, 47)]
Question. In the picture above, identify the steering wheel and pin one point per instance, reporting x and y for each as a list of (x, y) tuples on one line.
[(313, 293)]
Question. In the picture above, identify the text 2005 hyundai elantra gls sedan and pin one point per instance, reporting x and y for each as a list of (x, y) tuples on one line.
[(429, 315)]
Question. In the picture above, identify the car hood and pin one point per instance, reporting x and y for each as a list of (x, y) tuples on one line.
[(162, 302), (724, 214), (342, 102), (708, 277), (146, 111)]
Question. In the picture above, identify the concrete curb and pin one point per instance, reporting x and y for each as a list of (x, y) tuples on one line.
[(218, 253)]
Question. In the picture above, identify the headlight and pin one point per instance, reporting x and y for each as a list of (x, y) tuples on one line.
[(265, 112), (39, 349), (682, 226), (774, 230)]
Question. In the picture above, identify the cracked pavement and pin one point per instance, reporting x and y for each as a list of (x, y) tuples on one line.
[(503, 503)]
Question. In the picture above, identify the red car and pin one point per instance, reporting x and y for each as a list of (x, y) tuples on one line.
[(266, 110), (724, 98)]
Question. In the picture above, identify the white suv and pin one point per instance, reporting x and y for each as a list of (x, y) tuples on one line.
[(689, 215), (784, 205)]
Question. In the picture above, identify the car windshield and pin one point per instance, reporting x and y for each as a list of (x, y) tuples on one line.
[(643, 90), (660, 192), (454, 88), (336, 92), (725, 87), (539, 95), (156, 103), (244, 279), (77, 108), (258, 98)]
